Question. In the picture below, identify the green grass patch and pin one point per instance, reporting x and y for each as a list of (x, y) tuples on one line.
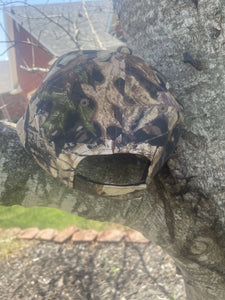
[(45, 217)]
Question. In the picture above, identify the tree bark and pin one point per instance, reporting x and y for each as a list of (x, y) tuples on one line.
[(185, 41), (183, 209)]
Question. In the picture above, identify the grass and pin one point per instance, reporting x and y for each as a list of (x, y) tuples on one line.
[(45, 217)]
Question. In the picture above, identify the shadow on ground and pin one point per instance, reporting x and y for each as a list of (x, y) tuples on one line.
[(98, 271)]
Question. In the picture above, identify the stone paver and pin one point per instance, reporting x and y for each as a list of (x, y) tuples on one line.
[(86, 235), (112, 235), (28, 233), (134, 236), (74, 234), (9, 233), (47, 234), (64, 235), (13, 230)]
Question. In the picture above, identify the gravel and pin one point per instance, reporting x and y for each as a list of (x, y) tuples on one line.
[(92, 271)]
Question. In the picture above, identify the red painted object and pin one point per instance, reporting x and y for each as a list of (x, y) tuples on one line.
[(29, 56)]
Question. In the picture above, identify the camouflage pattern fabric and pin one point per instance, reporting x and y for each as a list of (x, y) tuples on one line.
[(101, 104)]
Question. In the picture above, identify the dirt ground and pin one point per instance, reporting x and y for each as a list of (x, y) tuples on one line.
[(92, 271)]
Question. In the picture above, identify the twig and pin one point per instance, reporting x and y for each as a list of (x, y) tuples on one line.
[(76, 30), (34, 69), (44, 15), (91, 26), (3, 106), (14, 43)]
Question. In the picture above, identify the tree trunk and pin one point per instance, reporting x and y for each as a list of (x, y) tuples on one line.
[(183, 209), (185, 40)]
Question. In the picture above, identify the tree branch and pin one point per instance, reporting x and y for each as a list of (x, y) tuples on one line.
[(34, 69), (95, 34), (46, 17), (14, 43)]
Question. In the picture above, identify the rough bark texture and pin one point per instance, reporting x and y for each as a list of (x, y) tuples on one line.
[(165, 33), (183, 209)]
